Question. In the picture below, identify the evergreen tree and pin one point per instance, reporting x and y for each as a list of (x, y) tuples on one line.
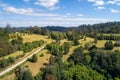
[(34, 58)]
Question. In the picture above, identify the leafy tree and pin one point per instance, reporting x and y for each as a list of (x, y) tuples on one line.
[(11, 60), (39, 76), (93, 47), (66, 47), (81, 73), (34, 58), (27, 75), (76, 42), (4, 63), (109, 45)]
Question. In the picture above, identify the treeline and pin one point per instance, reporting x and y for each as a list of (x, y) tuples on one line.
[(5, 46), (108, 37), (29, 46), (56, 35), (54, 48), (105, 63), (6, 62), (109, 27)]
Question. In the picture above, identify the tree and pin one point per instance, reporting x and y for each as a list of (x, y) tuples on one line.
[(34, 58), (50, 77), (27, 75), (66, 47), (76, 42), (39, 76), (4, 63), (81, 73), (109, 45), (11, 60), (93, 47)]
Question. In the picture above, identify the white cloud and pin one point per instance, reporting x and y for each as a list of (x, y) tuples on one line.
[(117, 2), (47, 3), (99, 3), (3, 5), (54, 8), (55, 21), (78, 19), (18, 11), (26, 1), (27, 11), (114, 11), (80, 15), (91, 0), (100, 7), (68, 14)]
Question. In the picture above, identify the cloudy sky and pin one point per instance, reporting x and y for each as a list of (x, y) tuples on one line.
[(58, 12)]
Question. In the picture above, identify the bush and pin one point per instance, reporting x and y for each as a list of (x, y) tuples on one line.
[(34, 58), (41, 55), (117, 43), (109, 45)]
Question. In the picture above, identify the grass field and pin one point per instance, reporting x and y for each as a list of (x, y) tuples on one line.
[(64, 40), (83, 42), (35, 37), (15, 54), (9, 77), (112, 34), (65, 57), (35, 67)]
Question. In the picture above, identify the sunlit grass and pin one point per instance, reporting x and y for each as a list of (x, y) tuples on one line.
[(35, 67), (15, 54)]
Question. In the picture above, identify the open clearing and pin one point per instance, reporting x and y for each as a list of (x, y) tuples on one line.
[(35, 67), (9, 77), (65, 57), (112, 34), (15, 54), (83, 42), (35, 37)]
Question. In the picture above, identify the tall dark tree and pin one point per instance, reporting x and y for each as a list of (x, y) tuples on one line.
[(109, 45)]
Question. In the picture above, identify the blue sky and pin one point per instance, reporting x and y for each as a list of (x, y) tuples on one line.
[(58, 12)]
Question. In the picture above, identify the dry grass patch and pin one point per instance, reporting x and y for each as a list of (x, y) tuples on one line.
[(64, 40), (100, 43), (35, 37), (116, 48), (83, 42), (35, 67), (8, 77), (15, 54), (65, 57)]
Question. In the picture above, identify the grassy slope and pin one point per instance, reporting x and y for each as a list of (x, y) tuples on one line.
[(15, 54), (28, 38), (34, 37), (82, 43), (9, 77), (35, 67)]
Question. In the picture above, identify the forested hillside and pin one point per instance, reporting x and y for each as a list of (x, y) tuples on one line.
[(87, 52)]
